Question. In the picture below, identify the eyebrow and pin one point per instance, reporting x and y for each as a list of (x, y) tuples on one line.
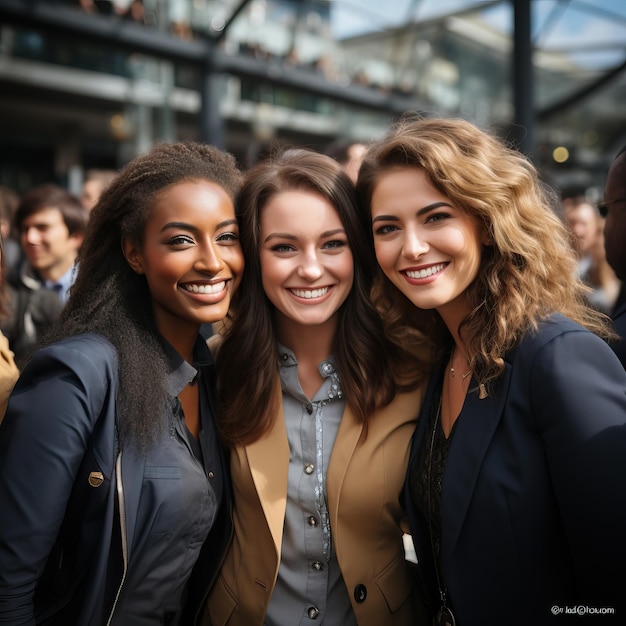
[(422, 211), (324, 235), (186, 226)]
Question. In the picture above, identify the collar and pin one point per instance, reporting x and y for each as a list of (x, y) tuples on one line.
[(31, 278), (182, 373)]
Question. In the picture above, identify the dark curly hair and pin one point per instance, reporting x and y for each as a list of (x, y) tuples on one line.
[(109, 298)]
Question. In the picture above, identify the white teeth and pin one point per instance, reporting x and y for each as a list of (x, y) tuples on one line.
[(429, 271), (310, 293), (216, 288)]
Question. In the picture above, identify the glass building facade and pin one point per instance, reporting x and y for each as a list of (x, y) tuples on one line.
[(91, 83)]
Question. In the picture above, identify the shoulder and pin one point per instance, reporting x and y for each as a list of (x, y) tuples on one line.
[(562, 353), (89, 355), (553, 327)]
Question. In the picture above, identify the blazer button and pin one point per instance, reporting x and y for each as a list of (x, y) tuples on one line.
[(360, 593), (313, 612), (95, 479)]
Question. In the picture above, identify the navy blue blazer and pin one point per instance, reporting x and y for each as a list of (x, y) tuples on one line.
[(619, 321), (60, 473), (534, 492)]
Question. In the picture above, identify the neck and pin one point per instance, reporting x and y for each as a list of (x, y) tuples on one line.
[(54, 273), (182, 340), (312, 343)]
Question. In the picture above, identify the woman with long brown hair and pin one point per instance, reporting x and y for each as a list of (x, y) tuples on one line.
[(309, 401), (515, 485)]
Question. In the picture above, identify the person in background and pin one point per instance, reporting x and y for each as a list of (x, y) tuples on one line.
[(613, 209), (51, 225), (8, 369), (13, 255), (96, 181), (349, 154), (122, 511), (586, 226), (308, 403), (515, 490)]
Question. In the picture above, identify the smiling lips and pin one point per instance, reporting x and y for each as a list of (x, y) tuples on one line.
[(203, 288), (426, 272), (309, 294)]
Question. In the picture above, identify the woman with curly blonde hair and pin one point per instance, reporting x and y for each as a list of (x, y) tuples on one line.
[(515, 483)]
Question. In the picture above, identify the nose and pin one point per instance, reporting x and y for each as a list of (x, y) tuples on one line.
[(414, 245), (310, 268), (209, 260), (31, 235)]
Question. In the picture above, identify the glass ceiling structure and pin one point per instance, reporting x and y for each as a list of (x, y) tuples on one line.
[(369, 60), (454, 57)]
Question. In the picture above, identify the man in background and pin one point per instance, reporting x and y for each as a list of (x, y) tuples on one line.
[(349, 154), (613, 208), (96, 181), (51, 225)]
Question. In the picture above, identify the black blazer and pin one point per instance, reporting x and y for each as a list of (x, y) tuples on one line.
[(534, 491)]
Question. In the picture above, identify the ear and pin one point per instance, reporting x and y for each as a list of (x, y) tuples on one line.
[(77, 239), (133, 256)]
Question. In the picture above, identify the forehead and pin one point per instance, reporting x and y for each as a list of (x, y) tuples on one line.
[(46, 215), (194, 197)]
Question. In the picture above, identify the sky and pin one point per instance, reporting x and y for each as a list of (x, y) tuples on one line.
[(592, 32)]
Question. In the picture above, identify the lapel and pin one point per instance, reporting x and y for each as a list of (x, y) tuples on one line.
[(268, 459), (346, 441), (131, 466), (472, 437)]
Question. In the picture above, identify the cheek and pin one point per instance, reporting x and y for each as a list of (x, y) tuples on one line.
[(233, 257), (384, 255), (271, 276)]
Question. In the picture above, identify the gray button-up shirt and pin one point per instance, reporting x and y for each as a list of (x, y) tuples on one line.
[(310, 588)]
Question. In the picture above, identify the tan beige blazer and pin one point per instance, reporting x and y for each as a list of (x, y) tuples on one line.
[(364, 482)]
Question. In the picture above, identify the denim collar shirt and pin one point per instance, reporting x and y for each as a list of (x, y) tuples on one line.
[(310, 588)]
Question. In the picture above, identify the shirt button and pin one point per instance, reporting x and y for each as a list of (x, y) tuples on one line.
[(211, 475), (309, 468), (285, 356), (312, 521), (360, 593), (313, 612), (317, 566)]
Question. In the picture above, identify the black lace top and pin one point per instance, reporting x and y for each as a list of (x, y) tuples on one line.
[(426, 478)]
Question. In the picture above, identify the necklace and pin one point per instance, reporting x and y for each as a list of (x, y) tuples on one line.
[(453, 371), (463, 376)]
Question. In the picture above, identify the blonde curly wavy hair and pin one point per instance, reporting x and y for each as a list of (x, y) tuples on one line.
[(528, 271)]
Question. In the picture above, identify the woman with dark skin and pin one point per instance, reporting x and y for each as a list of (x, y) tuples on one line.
[(126, 487), (515, 490)]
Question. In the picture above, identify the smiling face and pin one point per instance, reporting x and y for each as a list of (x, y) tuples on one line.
[(306, 263), (48, 244), (190, 256), (428, 248)]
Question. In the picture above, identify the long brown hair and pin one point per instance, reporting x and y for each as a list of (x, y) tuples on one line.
[(528, 271), (247, 361)]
